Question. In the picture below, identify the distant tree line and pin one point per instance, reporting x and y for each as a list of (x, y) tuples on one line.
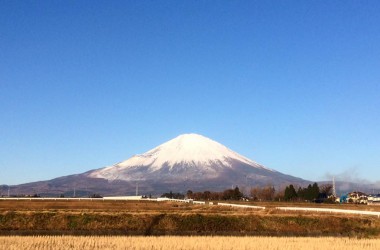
[(228, 194), (172, 195), (309, 193), (267, 193)]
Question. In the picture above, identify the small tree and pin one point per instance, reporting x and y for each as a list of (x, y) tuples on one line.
[(207, 195), (232, 194), (315, 191), (237, 194), (325, 192), (267, 193), (255, 193), (290, 193), (189, 194)]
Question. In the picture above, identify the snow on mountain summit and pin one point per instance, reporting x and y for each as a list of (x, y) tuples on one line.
[(187, 162), (188, 150)]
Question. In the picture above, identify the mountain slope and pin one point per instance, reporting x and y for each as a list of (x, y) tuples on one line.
[(191, 155), (189, 161), (192, 161)]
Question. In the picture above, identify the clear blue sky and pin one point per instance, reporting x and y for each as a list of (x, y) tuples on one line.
[(293, 85)]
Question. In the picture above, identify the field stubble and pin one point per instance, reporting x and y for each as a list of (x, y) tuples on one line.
[(189, 242), (169, 218)]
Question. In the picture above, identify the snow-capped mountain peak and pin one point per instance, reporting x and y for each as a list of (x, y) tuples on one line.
[(187, 152), (187, 162), (192, 148)]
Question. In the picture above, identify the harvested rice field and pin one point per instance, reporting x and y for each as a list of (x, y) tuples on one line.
[(188, 242)]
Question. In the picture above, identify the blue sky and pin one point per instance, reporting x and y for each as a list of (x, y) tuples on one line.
[(293, 85)]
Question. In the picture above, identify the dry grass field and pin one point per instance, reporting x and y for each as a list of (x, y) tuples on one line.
[(312, 204), (31, 217), (190, 242), (95, 205), (100, 205), (151, 206)]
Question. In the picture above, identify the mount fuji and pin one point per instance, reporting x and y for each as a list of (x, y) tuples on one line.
[(188, 156), (189, 161)]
